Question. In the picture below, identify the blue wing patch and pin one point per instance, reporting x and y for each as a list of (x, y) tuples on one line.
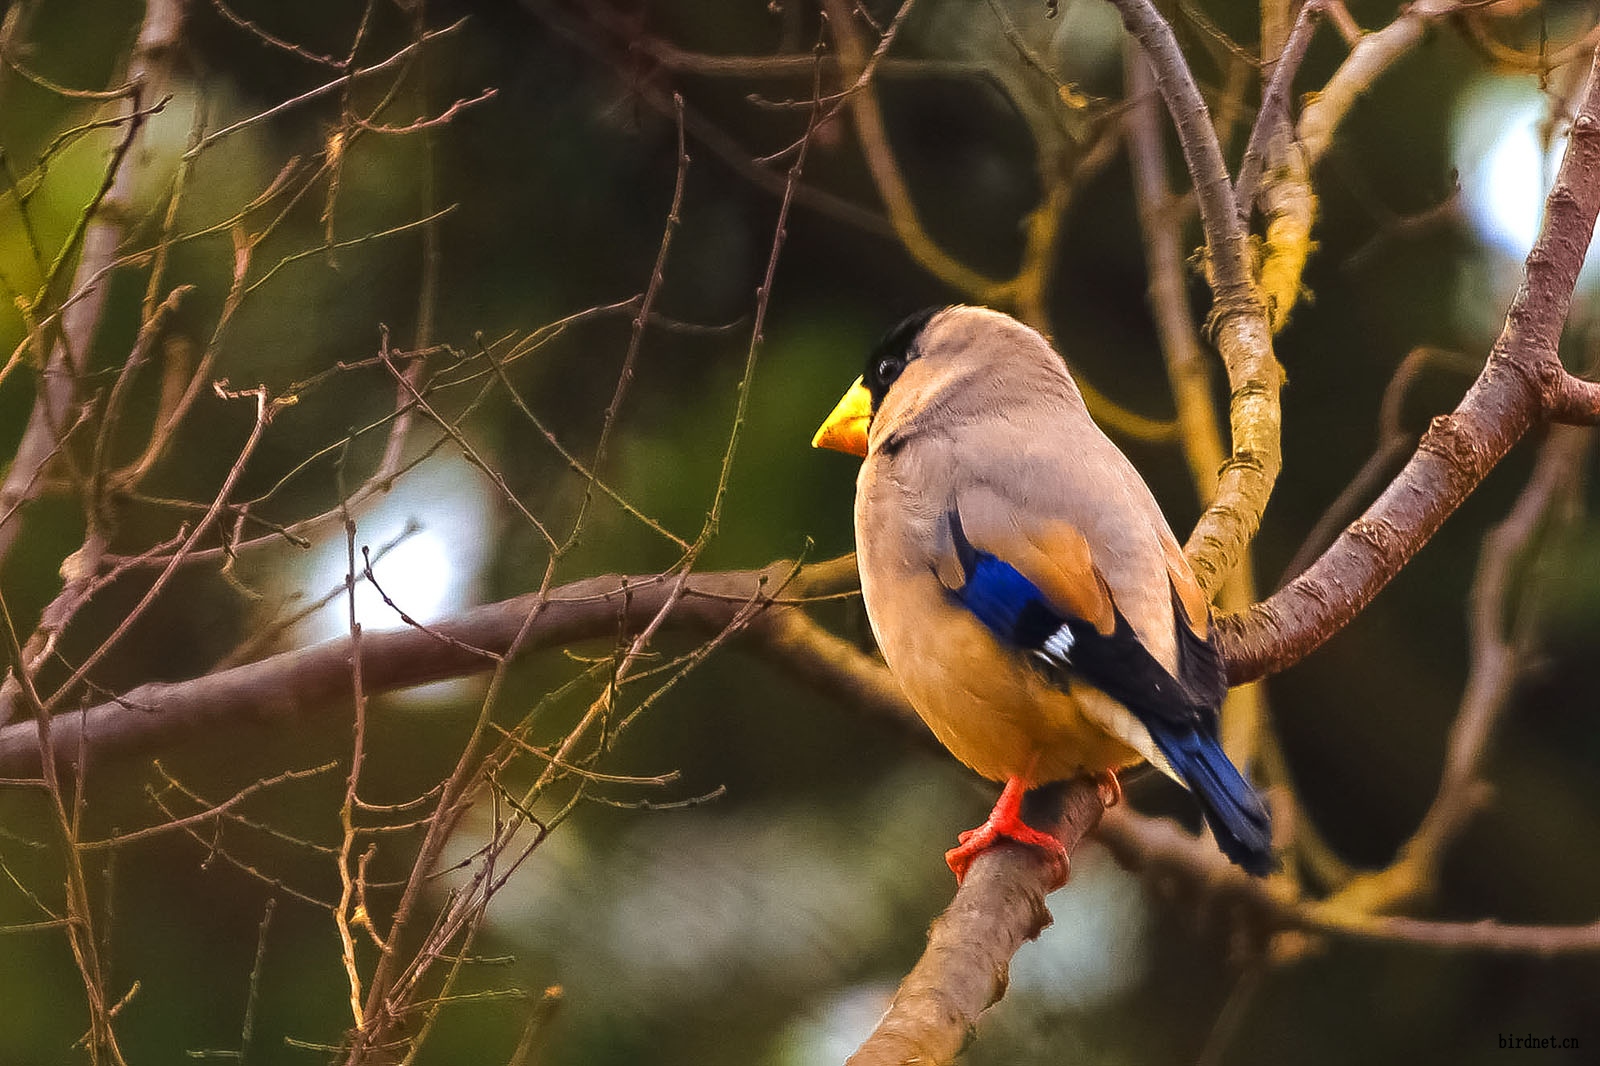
[(1013, 608), (1180, 712)]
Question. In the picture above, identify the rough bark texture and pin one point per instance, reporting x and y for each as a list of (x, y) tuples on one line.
[(316, 680), (1522, 383), (965, 967)]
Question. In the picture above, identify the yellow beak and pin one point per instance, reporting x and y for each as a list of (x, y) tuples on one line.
[(846, 428)]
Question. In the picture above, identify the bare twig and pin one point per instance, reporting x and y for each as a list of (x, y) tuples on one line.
[(1274, 104), (211, 813), (338, 84)]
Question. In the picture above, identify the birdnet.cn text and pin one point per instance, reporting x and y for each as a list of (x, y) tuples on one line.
[(1529, 1041)]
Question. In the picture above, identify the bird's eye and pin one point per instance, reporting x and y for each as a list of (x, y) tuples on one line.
[(889, 369)]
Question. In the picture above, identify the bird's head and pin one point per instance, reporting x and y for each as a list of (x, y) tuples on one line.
[(944, 363)]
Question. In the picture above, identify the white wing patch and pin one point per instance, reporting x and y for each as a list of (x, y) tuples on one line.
[(1057, 648)]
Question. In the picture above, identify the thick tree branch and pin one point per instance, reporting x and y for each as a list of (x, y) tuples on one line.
[(1522, 383), (316, 680), (963, 971)]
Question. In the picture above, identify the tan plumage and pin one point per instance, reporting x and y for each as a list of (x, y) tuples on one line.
[(1017, 572), (986, 420)]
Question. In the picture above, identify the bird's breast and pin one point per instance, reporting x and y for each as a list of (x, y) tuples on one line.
[(988, 703)]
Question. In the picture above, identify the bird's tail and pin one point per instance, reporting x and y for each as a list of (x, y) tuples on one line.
[(1232, 808)]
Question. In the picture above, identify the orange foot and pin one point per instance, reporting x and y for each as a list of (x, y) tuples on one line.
[(1005, 823)]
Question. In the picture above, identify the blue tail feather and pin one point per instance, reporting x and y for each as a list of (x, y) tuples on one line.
[(1232, 809)]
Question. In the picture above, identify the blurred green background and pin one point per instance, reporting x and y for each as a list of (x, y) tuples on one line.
[(769, 925)]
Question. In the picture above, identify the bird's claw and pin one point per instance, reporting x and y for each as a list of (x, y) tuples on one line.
[(1005, 823), (975, 842)]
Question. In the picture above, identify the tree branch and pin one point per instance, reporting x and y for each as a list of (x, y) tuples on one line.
[(1238, 321), (103, 229), (1274, 110), (1159, 849), (317, 679), (963, 971), (1373, 55), (1522, 383), (886, 177), (1503, 642)]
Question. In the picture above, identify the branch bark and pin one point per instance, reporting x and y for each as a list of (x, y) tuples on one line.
[(964, 969), (316, 680), (1522, 384), (1238, 322)]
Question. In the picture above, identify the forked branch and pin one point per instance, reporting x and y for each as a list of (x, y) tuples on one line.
[(1522, 384)]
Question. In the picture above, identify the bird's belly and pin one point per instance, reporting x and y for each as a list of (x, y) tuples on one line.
[(1003, 718)]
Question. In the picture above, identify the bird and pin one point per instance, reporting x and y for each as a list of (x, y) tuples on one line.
[(1022, 584)]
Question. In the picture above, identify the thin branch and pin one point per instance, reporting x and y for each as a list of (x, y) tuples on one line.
[(342, 911), (1395, 443), (1238, 322), (708, 134), (1502, 643), (1370, 58), (1026, 290), (672, 57), (260, 34), (1514, 60), (8, 55), (1274, 104), (658, 276), (215, 811), (265, 409), (1159, 849), (1188, 371), (879, 155), (341, 83), (443, 118), (468, 452)]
